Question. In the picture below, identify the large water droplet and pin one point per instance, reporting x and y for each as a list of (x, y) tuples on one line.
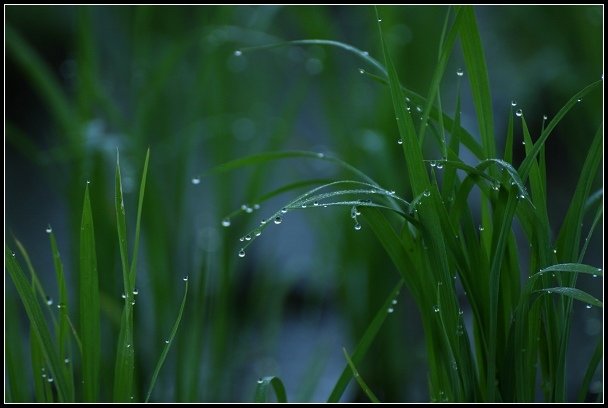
[(278, 220), (242, 253), (238, 53), (226, 222), (519, 113), (459, 72), (196, 180)]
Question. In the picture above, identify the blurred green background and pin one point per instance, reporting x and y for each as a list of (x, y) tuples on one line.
[(167, 78)]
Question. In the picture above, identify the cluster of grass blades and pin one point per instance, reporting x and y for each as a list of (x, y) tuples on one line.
[(61, 372), (517, 334)]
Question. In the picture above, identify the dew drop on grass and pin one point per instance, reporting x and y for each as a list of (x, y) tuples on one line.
[(278, 220), (513, 103), (66, 360), (185, 278), (167, 341), (357, 227), (316, 203), (588, 306), (426, 193), (123, 296), (260, 381), (418, 109), (247, 237), (49, 300), (523, 142), (379, 20), (258, 233), (460, 312), (226, 222), (433, 164), (399, 141), (519, 113), (238, 53), (439, 166), (459, 72), (436, 308), (394, 302), (256, 206), (365, 53), (578, 100), (283, 210), (49, 229), (545, 117), (481, 228), (50, 379), (242, 239), (361, 71), (196, 180), (242, 253), (128, 346), (390, 310), (248, 210), (303, 205), (13, 254), (135, 292)]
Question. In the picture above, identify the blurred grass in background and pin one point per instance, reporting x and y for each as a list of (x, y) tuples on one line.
[(167, 78)]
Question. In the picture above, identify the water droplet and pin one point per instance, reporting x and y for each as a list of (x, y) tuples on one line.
[(242, 239), (549, 292), (460, 312), (519, 113), (513, 103), (599, 269), (66, 360), (49, 229), (278, 220), (135, 292), (433, 164), (439, 166), (316, 203), (132, 303), (522, 196), (357, 227), (260, 381), (399, 141), (578, 100), (263, 222), (320, 155), (459, 72), (379, 20), (454, 365), (365, 53), (390, 310), (226, 222), (60, 306), (50, 379), (283, 210), (523, 142), (88, 182), (303, 205), (481, 228), (185, 278), (13, 254), (248, 210), (238, 53), (361, 71), (418, 109), (392, 192), (394, 301), (166, 341), (555, 251), (49, 300), (426, 193), (128, 346), (588, 306), (242, 253), (258, 233), (436, 308), (196, 180), (244, 207), (123, 296), (545, 117), (247, 237), (407, 99), (256, 206)]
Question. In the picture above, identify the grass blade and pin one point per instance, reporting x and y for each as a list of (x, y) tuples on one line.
[(591, 368), (261, 391), (576, 294), (168, 342), (89, 304), (362, 383)]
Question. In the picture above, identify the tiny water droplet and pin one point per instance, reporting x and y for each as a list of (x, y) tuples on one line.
[(226, 222), (481, 228), (320, 155), (588, 306), (135, 292), (260, 381), (132, 303), (365, 53), (523, 142), (357, 227), (196, 180), (256, 206), (49, 229), (418, 109), (513, 103), (242, 253), (88, 182), (460, 312), (407, 99), (390, 310), (278, 220), (522, 196), (13, 254), (263, 222), (123, 296), (399, 141), (128, 346), (545, 117), (244, 207), (394, 301), (60, 305), (303, 205), (238, 53), (66, 360), (379, 20), (578, 100), (439, 166), (459, 72), (50, 379), (242, 239), (436, 308), (248, 210), (519, 113), (166, 341), (258, 233), (247, 237), (454, 365), (316, 203), (426, 193), (392, 192), (283, 210), (433, 164), (361, 71), (185, 278), (49, 300)]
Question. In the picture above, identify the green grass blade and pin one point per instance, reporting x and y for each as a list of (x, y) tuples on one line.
[(168, 342), (39, 327), (574, 293), (572, 267), (261, 391), (372, 397), (125, 354), (596, 358), (140, 203), (89, 304), (475, 62), (17, 390), (364, 344)]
